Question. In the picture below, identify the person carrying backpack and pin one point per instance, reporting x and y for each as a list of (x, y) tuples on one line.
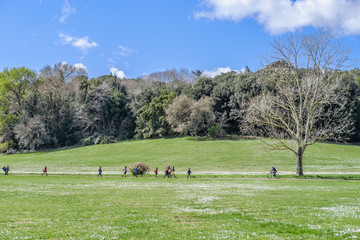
[(7, 170), (167, 172), (136, 171), (124, 172)]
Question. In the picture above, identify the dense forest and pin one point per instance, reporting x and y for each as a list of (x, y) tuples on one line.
[(60, 106)]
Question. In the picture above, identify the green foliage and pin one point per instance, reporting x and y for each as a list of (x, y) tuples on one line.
[(350, 104), (357, 81), (178, 114), (108, 111), (151, 119), (202, 87), (9, 144), (15, 85), (61, 107), (215, 131)]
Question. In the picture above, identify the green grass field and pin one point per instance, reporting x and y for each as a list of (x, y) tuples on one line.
[(72, 203), (87, 207), (204, 157)]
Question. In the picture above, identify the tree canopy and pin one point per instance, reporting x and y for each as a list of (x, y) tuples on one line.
[(303, 93)]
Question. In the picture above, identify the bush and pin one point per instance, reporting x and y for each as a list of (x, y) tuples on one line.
[(215, 131), (142, 168), (4, 147)]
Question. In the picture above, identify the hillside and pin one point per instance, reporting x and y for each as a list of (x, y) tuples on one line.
[(212, 157)]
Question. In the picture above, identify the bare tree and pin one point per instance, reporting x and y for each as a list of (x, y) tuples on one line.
[(306, 106)]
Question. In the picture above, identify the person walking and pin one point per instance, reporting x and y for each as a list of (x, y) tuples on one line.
[(124, 172), (100, 172), (136, 171), (156, 172), (44, 171), (189, 173), (166, 172), (173, 171)]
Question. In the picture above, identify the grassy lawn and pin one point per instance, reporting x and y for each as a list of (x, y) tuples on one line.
[(87, 207), (209, 157), (79, 206)]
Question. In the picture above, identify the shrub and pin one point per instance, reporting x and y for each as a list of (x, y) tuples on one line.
[(6, 146), (142, 168), (215, 131)]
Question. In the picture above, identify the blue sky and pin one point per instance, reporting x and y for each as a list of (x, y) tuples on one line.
[(136, 37)]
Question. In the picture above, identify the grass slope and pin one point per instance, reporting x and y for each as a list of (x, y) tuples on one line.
[(218, 156)]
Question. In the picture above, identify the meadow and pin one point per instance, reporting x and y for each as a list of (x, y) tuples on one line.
[(89, 207), (72, 203), (222, 157)]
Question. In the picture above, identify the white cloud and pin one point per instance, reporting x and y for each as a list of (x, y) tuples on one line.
[(125, 51), (81, 43), (217, 71), (118, 73), (66, 11), (280, 16), (111, 61), (80, 66)]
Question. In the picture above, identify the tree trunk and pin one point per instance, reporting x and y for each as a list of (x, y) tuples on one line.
[(299, 165)]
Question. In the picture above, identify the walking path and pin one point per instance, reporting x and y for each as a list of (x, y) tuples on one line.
[(184, 172)]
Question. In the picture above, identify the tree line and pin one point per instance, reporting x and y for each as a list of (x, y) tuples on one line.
[(60, 106)]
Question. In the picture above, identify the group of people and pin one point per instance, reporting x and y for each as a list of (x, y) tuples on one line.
[(6, 170), (169, 172)]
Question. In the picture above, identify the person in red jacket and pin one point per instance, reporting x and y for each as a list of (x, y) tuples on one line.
[(44, 171)]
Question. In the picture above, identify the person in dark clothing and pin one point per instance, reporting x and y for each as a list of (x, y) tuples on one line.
[(173, 171), (273, 171), (100, 172), (124, 172), (189, 173)]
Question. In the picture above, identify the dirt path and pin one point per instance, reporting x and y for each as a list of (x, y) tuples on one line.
[(217, 176), (183, 173)]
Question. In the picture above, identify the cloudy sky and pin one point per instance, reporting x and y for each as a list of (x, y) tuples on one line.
[(131, 38)]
